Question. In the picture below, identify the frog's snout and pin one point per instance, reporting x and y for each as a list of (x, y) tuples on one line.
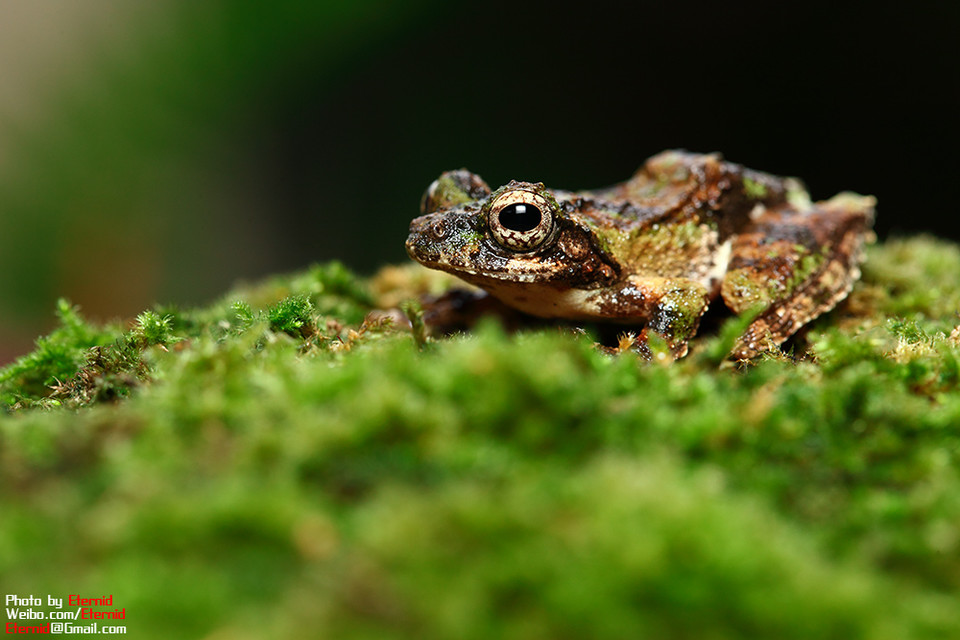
[(430, 225), (431, 235), (442, 239), (429, 238), (426, 234)]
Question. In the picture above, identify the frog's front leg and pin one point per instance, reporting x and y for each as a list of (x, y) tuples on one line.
[(795, 265), (670, 307)]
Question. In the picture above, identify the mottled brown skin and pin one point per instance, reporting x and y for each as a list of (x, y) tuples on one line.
[(655, 250)]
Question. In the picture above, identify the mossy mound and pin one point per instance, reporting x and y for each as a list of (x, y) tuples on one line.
[(277, 466)]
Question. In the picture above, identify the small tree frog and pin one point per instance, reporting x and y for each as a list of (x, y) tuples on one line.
[(655, 251)]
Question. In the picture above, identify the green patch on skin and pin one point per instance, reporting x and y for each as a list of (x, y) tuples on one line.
[(754, 189), (667, 168), (660, 172), (751, 288), (462, 243), (683, 305), (449, 194), (797, 196), (496, 485), (806, 267), (602, 236), (469, 238), (652, 189), (667, 248)]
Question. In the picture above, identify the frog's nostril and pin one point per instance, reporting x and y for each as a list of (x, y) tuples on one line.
[(439, 229)]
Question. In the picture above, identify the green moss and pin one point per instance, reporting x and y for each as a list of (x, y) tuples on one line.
[(291, 315), (918, 275), (152, 328), (57, 358), (267, 484)]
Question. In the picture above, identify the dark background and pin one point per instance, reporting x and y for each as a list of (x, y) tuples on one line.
[(231, 142)]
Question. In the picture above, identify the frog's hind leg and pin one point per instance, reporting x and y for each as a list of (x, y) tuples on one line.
[(795, 265)]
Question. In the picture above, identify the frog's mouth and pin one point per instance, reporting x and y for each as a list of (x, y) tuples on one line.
[(450, 242)]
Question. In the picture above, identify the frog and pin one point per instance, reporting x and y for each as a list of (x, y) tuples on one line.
[(686, 231)]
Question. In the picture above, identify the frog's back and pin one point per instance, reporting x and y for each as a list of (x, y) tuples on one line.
[(664, 182), (678, 186)]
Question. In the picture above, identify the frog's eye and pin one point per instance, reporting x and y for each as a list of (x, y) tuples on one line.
[(520, 220)]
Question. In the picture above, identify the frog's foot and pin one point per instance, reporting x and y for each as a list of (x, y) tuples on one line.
[(639, 343), (670, 307), (460, 309), (795, 265)]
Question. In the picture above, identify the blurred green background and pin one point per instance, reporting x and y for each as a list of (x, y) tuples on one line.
[(161, 151)]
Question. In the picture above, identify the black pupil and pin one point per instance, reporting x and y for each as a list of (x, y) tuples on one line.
[(520, 217)]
